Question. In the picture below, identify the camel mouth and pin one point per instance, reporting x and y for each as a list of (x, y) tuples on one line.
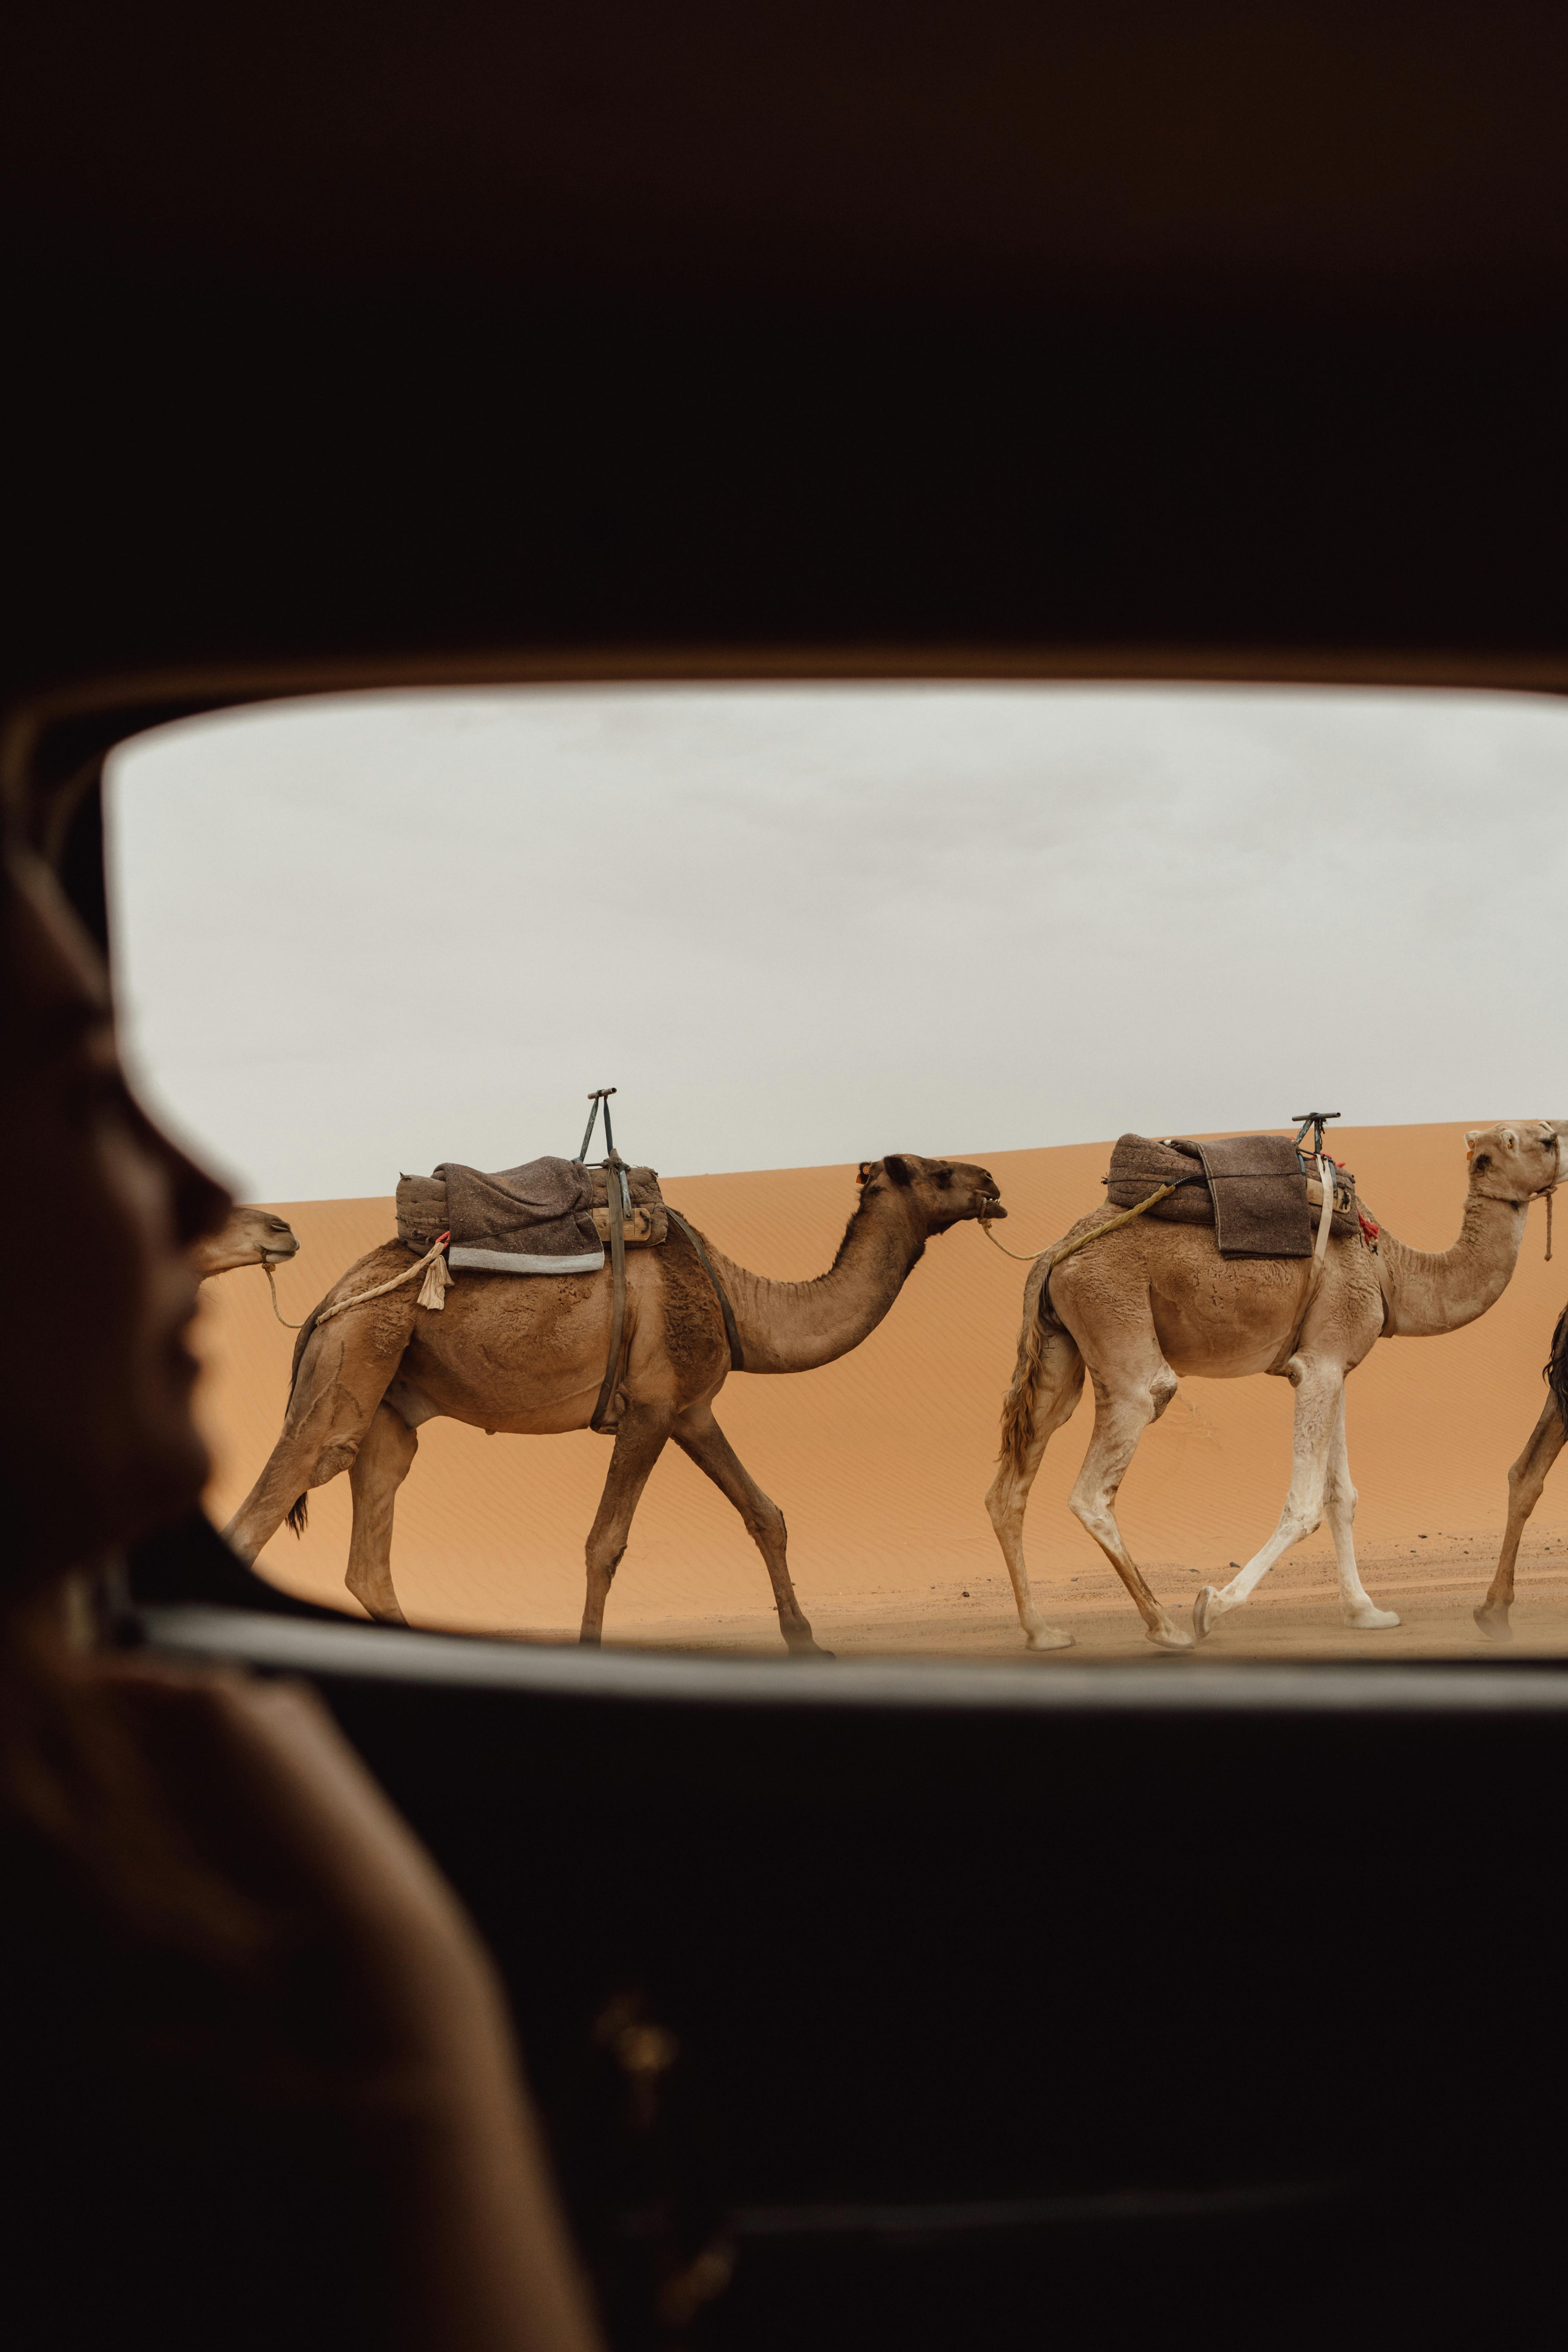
[(279, 1256), (992, 1208)]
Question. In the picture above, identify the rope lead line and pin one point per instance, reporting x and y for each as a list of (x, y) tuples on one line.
[(1066, 1249), (272, 1287), (435, 1283)]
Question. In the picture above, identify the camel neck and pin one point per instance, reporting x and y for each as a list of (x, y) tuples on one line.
[(1433, 1291), (793, 1327)]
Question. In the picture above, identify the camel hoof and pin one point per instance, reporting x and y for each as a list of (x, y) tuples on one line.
[(1049, 1637), (389, 1616), (1170, 1637), (1371, 1621), (1493, 1621), (1205, 1612)]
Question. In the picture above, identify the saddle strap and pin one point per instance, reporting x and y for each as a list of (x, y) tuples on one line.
[(1320, 1257), (737, 1357), (615, 1367)]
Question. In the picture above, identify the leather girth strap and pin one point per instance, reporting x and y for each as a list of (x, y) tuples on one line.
[(615, 1367), (737, 1358)]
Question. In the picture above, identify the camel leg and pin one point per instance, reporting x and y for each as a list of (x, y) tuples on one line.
[(386, 1454), (311, 1452), (1338, 1502), (1319, 1400), (1120, 1417), (342, 1379), (1058, 1384), (699, 1436), (639, 1441), (1525, 1481)]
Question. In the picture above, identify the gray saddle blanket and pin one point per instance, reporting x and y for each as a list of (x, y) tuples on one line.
[(1252, 1189), (549, 1216)]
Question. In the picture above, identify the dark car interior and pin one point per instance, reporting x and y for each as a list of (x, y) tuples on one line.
[(867, 2006)]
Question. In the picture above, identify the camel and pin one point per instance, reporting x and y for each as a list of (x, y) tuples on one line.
[(1153, 1301), (1525, 1482), (249, 1237), (527, 1354)]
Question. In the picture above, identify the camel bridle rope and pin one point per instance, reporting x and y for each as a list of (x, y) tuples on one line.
[(272, 1287), (1066, 1249), (432, 1291)]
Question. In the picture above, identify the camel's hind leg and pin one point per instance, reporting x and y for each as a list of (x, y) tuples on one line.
[(1525, 1481), (699, 1436), (1319, 1413), (343, 1375), (639, 1441), (1121, 1414), (386, 1454), (1053, 1369)]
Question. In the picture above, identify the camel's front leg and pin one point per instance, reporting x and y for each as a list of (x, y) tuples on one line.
[(379, 1469), (1525, 1481), (1319, 1398), (1121, 1414), (639, 1441), (699, 1436), (1340, 1499), (1057, 1384)]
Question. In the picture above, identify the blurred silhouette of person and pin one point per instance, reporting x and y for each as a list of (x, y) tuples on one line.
[(257, 2078)]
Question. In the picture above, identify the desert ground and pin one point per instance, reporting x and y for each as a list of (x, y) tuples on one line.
[(880, 1461)]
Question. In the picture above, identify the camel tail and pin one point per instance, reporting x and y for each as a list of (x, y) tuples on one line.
[(1556, 1368), (300, 1514), (1019, 1406)]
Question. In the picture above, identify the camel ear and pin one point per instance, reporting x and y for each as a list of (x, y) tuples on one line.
[(865, 1174), (1472, 1137), (899, 1169), (1510, 1139)]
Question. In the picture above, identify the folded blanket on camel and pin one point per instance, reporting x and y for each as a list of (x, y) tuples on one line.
[(1250, 1188), (423, 1214), (536, 1219)]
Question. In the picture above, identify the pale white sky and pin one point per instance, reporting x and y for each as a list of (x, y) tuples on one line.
[(364, 933)]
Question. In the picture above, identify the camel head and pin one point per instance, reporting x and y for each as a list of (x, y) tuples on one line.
[(1517, 1160), (939, 1193), (251, 1237)]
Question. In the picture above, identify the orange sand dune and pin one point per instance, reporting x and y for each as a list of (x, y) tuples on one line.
[(880, 1461)]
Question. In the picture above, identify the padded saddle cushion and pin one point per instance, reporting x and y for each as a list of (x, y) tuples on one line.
[(1252, 1189), (422, 1208)]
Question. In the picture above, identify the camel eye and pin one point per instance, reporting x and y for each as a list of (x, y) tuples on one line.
[(944, 1180)]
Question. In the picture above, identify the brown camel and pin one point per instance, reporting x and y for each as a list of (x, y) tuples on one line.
[(1154, 1300), (1525, 1482), (526, 1354), (251, 1237)]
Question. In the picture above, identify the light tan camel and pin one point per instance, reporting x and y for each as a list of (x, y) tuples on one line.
[(1525, 1482), (1153, 1301), (526, 1353), (251, 1237)]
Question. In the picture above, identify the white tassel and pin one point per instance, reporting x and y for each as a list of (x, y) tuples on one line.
[(433, 1289)]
